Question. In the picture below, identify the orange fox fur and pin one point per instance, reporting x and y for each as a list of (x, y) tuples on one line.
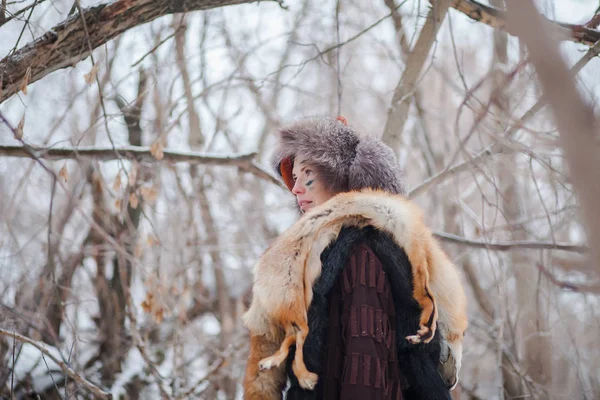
[(284, 276)]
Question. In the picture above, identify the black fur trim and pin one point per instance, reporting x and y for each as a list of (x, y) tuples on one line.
[(418, 363)]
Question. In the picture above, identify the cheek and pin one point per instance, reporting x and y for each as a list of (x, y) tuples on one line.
[(320, 193)]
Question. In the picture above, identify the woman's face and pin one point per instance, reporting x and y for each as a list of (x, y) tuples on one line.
[(309, 190)]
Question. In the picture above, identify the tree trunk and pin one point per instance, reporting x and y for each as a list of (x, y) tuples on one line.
[(112, 295)]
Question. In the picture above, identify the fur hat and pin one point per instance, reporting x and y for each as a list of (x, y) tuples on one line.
[(344, 160)]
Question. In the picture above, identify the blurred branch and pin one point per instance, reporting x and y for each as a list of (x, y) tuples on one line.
[(320, 54), (398, 26), (137, 153), (67, 43), (574, 118), (400, 105), (512, 245), (99, 393), (4, 19), (243, 161), (28, 151), (256, 169), (497, 148), (497, 18), (141, 346), (195, 132), (2, 11), (457, 169), (214, 367), (575, 287)]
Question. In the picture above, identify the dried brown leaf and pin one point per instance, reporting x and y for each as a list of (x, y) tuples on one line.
[(63, 173), (19, 129), (151, 240), (25, 81), (133, 173), (90, 77), (117, 183), (148, 303), (133, 201), (159, 315), (149, 193), (157, 149), (138, 250)]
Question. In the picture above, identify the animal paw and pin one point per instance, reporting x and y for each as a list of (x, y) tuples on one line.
[(414, 339), (267, 363), (424, 334), (308, 381)]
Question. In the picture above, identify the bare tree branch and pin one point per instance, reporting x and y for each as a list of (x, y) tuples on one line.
[(575, 287), (67, 43), (398, 111), (512, 245), (99, 393), (497, 148), (130, 152), (574, 118), (457, 169), (497, 18), (243, 161)]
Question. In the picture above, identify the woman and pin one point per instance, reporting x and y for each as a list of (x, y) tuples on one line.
[(363, 299)]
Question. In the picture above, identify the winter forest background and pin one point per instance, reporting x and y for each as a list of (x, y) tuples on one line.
[(136, 191)]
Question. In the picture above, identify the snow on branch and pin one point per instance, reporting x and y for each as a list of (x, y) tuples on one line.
[(243, 161), (497, 19), (73, 39), (126, 152), (95, 390)]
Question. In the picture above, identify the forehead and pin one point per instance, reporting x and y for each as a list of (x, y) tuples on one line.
[(299, 163)]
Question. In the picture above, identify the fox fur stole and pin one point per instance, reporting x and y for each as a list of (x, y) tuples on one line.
[(285, 273)]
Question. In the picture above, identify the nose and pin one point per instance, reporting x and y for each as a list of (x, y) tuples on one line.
[(298, 188)]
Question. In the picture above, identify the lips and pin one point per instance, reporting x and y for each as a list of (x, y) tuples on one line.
[(303, 204)]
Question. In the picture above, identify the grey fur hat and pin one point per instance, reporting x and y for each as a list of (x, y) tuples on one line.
[(344, 160)]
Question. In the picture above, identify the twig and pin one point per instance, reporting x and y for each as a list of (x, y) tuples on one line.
[(30, 152), (497, 18), (152, 50), (334, 47), (575, 119), (139, 341), (256, 169), (505, 246), (4, 19), (130, 152), (497, 148), (65, 369), (400, 104), (215, 366), (575, 287), (244, 162), (66, 44), (464, 166)]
